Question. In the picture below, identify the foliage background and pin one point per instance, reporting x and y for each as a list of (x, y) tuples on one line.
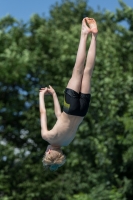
[(42, 52)]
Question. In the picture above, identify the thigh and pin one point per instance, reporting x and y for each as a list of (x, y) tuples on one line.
[(71, 102), (75, 81), (84, 103), (86, 83)]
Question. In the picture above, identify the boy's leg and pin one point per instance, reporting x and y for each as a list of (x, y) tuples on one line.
[(86, 80), (76, 79)]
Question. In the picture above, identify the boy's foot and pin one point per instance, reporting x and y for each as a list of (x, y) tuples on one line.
[(92, 25), (85, 29)]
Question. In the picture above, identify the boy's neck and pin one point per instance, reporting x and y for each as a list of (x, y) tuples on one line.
[(55, 147)]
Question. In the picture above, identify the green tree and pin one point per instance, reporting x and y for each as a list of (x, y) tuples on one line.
[(42, 52)]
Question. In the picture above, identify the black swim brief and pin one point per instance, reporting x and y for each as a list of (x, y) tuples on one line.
[(76, 103)]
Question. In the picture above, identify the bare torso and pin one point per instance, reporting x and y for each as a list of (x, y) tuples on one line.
[(64, 130)]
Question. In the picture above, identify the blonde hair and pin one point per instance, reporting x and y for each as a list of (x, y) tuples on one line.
[(54, 160)]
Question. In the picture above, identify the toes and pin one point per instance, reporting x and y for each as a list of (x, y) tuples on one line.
[(84, 21), (92, 24), (90, 20)]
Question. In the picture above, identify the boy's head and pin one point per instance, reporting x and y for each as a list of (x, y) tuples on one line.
[(53, 158)]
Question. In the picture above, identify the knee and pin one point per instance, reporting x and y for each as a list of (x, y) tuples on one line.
[(87, 71), (78, 71)]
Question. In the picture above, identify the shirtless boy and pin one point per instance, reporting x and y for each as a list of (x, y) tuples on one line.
[(76, 100)]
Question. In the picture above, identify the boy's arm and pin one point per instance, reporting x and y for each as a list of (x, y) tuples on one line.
[(57, 108), (43, 115)]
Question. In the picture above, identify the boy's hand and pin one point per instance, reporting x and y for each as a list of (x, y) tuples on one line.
[(44, 91), (51, 90)]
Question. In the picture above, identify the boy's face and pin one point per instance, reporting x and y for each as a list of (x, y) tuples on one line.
[(48, 149)]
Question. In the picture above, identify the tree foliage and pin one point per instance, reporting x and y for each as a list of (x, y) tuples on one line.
[(42, 52)]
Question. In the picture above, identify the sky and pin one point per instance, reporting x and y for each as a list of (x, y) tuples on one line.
[(24, 9)]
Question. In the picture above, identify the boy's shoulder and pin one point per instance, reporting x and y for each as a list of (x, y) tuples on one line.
[(49, 135)]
